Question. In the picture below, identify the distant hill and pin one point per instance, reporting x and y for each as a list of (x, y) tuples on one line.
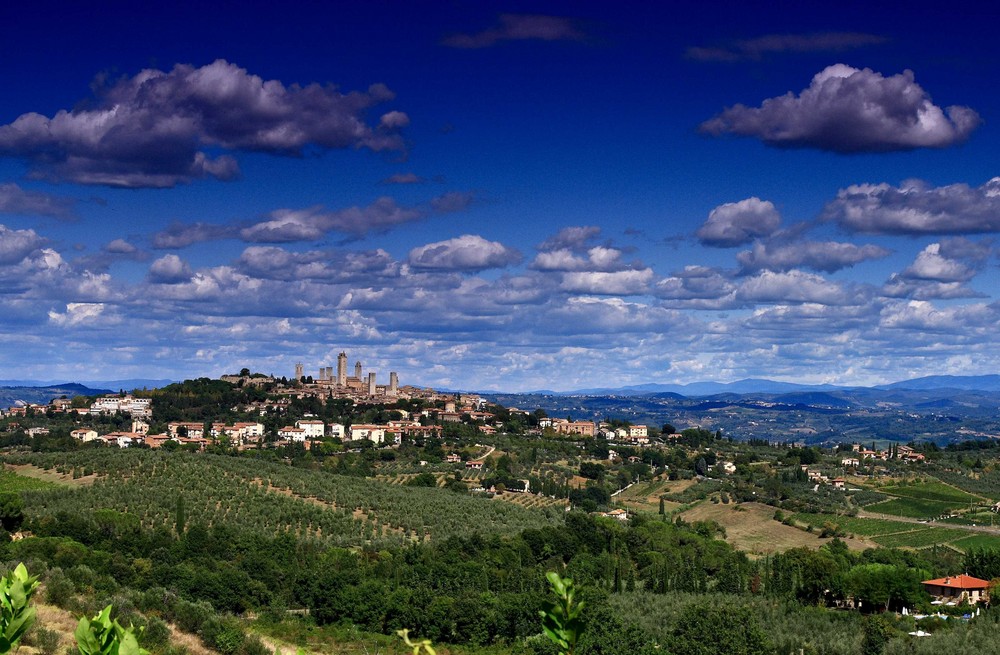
[(115, 385), (966, 382), (12, 395), (987, 383)]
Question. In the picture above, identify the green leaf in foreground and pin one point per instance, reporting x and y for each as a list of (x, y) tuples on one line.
[(561, 620), (16, 613), (103, 635)]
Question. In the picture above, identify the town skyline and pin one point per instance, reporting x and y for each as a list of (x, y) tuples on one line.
[(501, 196)]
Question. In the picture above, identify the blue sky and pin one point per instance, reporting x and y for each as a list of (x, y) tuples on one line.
[(500, 195)]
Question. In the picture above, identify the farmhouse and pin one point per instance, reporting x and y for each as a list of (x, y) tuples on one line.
[(958, 588)]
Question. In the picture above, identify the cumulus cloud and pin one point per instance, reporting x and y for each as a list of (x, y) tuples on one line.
[(601, 283), (77, 314), (169, 269), (519, 27), (933, 274), (286, 225), (923, 316), (15, 200), (270, 262), (931, 265), (826, 256), (757, 48), (156, 129), (699, 287), (598, 258), (850, 110), (738, 223), (794, 287), (917, 208), (120, 247), (575, 238), (899, 286), (15, 245), (469, 252)]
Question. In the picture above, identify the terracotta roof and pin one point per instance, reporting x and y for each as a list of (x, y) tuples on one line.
[(959, 582)]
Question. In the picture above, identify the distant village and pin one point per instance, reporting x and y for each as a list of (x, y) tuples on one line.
[(330, 383), (422, 420)]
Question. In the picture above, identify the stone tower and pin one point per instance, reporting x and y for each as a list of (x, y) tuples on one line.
[(342, 369)]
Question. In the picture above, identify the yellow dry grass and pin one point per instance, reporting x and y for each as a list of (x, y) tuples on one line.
[(752, 528), (66, 479), (64, 624)]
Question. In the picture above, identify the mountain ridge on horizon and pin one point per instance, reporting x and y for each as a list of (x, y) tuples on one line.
[(990, 383)]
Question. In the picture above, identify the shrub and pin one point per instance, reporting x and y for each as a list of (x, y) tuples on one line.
[(59, 589), (223, 633), (46, 640), (252, 645), (190, 617), (156, 634)]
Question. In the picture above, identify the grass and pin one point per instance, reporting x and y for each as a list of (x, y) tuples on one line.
[(753, 529), (11, 481)]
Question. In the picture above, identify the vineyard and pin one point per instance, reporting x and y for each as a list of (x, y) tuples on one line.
[(899, 534), (270, 498)]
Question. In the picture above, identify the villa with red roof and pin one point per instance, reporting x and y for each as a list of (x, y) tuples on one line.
[(958, 588)]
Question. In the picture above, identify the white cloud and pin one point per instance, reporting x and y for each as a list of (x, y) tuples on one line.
[(738, 223), (15, 245), (850, 110), (617, 283), (169, 269), (917, 208), (469, 252), (794, 286), (155, 129), (77, 314), (930, 265), (826, 256)]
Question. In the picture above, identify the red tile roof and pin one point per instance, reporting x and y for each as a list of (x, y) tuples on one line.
[(959, 582)]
